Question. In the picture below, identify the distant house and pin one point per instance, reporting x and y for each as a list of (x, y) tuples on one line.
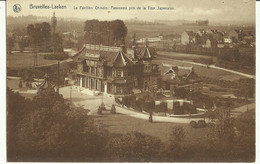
[(150, 40), (201, 32), (227, 40), (208, 43), (248, 38), (180, 77), (187, 37)]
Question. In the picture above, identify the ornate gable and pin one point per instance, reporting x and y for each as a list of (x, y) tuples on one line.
[(121, 60)]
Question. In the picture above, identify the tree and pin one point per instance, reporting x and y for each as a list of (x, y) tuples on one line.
[(133, 147), (59, 133), (40, 34), (24, 42), (22, 45), (57, 43), (245, 126), (182, 92), (46, 98), (105, 32), (175, 148), (236, 55), (222, 135), (17, 108), (119, 31), (9, 44)]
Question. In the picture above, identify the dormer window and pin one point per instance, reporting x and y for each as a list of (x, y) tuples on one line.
[(119, 73)]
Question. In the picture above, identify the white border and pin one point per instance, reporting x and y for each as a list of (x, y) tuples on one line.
[(257, 78), (3, 80)]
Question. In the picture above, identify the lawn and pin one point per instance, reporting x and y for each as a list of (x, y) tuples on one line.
[(182, 56), (121, 124), (14, 85), (24, 60), (201, 71), (214, 90)]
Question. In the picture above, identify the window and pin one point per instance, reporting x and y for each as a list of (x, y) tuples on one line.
[(87, 85), (83, 81), (119, 73), (93, 71), (86, 69)]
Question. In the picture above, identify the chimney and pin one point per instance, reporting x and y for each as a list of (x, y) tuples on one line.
[(135, 53), (134, 47)]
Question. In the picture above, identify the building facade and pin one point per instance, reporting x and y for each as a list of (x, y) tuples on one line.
[(112, 70), (187, 37)]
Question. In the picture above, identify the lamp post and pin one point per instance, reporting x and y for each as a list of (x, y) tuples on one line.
[(102, 99), (191, 93)]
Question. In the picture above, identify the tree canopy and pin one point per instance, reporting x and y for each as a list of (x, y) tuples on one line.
[(105, 32), (41, 38), (48, 128)]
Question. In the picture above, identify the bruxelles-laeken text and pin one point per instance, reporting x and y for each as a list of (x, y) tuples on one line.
[(44, 6)]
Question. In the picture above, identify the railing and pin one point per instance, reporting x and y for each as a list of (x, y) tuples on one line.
[(101, 47)]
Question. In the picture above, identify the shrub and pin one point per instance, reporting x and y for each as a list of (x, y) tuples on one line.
[(211, 125), (126, 101), (103, 106), (178, 110), (188, 108), (132, 101), (113, 109), (161, 108), (133, 147), (149, 105), (99, 110), (118, 101), (152, 104), (59, 56), (139, 104), (193, 124), (201, 124)]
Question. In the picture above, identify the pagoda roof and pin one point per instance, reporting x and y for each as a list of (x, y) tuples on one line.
[(110, 56), (46, 84)]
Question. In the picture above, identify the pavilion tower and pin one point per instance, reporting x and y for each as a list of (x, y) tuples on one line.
[(53, 25)]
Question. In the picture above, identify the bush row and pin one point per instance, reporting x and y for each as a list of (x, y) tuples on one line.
[(58, 56), (149, 106)]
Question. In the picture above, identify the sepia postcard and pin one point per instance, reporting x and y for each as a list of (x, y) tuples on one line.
[(130, 81)]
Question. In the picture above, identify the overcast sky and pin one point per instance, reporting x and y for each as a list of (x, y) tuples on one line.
[(213, 10)]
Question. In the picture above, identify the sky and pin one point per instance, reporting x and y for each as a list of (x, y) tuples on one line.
[(213, 10)]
